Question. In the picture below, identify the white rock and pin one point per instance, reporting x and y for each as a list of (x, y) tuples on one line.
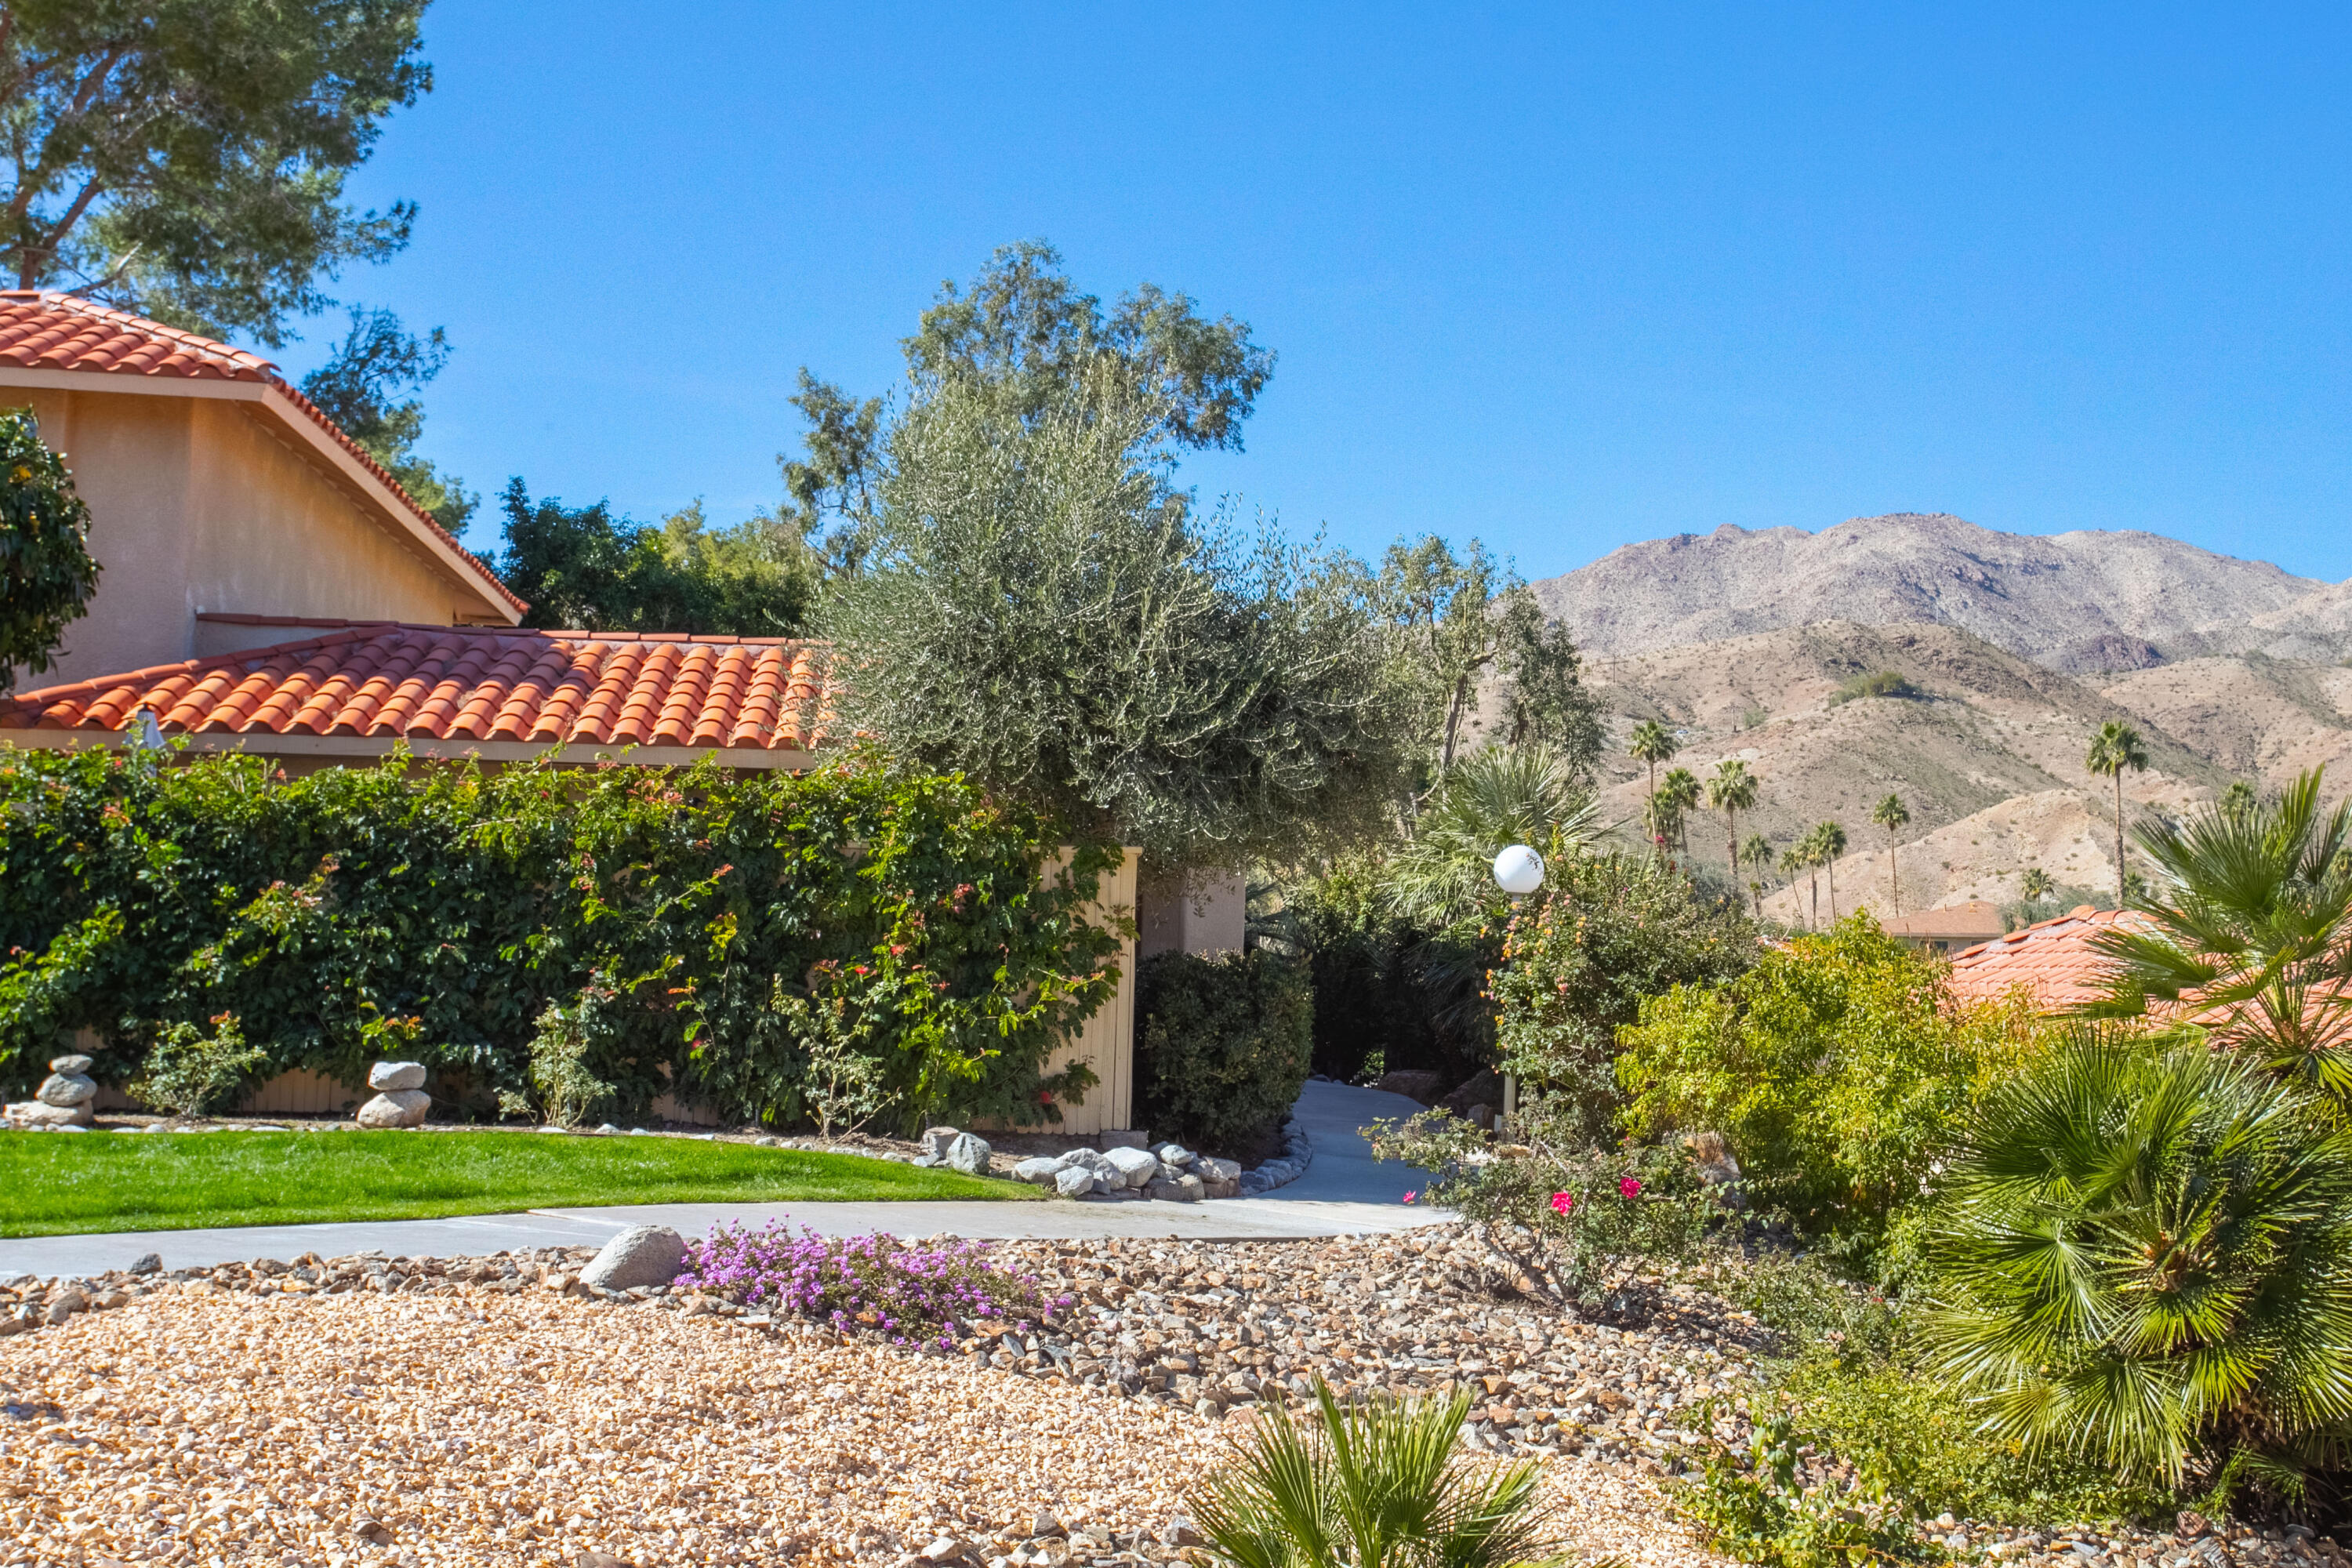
[(1174, 1154), (641, 1255), (33, 1113), (1221, 1189), (400, 1107), (70, 1067), (1212, 1169), (1135, 1167), (969, 1153), (66, 1088), (1074, 1181), (936, 1139), (385, 1077), (1039, 1170)]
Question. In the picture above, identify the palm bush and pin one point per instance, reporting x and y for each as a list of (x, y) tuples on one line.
[(2248, 934), (1487, 802), (1375, 1486), (2146, 1257)]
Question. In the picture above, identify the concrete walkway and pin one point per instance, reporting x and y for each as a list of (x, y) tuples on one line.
[(1344, 1192)]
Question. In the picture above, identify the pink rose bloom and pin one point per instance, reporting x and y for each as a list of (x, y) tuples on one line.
[(1562, 1203), (1628, 1185), (1408, 1197)]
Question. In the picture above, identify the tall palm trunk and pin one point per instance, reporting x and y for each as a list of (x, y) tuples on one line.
[(2120, 898), (1813, 878), (1893, 877), (1830, 870), (1655, 835), (1731, 815)]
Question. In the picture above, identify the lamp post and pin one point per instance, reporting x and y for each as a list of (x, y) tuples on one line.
[(1518, 871)]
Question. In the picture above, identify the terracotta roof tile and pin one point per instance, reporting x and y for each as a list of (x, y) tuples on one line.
[(382, 680), (2053, 960), (42, 330)]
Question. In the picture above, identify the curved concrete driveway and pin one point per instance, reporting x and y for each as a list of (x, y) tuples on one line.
[(1344, 1192)]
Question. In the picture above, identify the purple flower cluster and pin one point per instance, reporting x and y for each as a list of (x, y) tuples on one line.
[(875, 1284)]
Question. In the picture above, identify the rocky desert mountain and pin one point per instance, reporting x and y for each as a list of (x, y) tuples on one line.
[(2017, 650), (2080, 602)]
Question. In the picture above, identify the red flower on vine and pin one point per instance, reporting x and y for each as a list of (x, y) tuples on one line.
[(1562, 1203), (1628, 1186)]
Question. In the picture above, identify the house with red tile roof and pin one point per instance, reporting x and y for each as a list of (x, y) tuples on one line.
[(218, 494), (2052, 960), (267, 587)]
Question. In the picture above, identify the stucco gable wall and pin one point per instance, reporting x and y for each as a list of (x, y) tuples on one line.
[(199, 503)]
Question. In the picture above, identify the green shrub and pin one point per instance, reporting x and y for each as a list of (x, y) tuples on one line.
[(1587, 1220), (1223, 1046), (1876, 683), (1833, 1068), (138, 892), (568, 1091), (46, 573), (191, 1072), (1577, 960), (1367, 973), (2146, 1259)]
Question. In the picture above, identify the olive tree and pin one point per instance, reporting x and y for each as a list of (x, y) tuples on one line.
[(1041, 609)]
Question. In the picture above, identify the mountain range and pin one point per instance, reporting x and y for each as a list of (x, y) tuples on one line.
[(2080, 602), (2012, 650)]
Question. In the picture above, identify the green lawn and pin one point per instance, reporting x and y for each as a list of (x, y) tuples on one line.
[(52, 1184)]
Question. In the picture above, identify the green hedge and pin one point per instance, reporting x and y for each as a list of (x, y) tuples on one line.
[(1222, 1046), (438, 912)]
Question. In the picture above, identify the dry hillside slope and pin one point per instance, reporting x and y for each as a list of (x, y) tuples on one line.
[(1989, 759)]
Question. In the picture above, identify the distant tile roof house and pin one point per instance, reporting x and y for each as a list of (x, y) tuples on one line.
[(1944, 929), (266, 584), (2052, 959)]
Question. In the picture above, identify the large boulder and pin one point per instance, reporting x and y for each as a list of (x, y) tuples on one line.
[(1039, 1170), (389, 1077), (969, 1153), (936, 1140), (1073, 1182), (34, 1114), (641, 1255), (66, 1089), (1185, 1189), (398, 1108), (70, 1067), (1135, 1166), (1175, 1156)]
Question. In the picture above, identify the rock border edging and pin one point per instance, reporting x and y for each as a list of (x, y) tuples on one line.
[(1297, 1154)]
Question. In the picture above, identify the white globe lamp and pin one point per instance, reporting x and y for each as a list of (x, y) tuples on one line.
[(1518, 871)]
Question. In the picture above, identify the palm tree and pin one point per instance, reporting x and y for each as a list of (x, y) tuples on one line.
[(1677, 797), (1805, 854), (2249, 936), (1832, 837), (1731, 791), (1653, 743), (1377, 1486), (2115, 747), (1486, 802), (2036, 884), (2143, 1260), (1892, 813), (1758, 852), (2238, 799)]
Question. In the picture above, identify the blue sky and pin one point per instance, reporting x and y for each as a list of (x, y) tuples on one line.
[(1557, 275)]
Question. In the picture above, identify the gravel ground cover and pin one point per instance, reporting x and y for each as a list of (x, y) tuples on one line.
[(494, 1410), (497, 1420), (56, 1184)]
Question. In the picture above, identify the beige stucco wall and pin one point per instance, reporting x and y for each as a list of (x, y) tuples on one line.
[(206, 503)]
